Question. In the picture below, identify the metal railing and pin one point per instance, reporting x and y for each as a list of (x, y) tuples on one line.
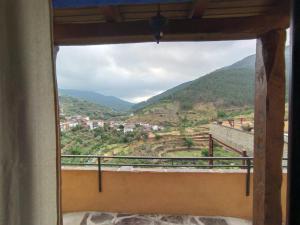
[(245, 163)]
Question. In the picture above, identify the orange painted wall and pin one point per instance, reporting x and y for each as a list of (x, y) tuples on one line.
[(194, 193)]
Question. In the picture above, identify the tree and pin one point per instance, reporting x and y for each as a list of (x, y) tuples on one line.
[(188, 142), (157, 137)]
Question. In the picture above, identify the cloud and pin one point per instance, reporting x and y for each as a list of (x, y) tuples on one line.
[(136, 72)]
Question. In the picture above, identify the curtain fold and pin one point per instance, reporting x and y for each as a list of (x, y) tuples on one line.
[(28, 137)]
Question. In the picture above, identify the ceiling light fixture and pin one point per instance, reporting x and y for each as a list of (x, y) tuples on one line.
[(157, 23)]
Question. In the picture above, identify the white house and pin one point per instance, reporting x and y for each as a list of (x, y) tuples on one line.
[(128, 128), (100, 123), (73, 124)]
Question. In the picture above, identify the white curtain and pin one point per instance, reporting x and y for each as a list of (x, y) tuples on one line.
[(28, 173)]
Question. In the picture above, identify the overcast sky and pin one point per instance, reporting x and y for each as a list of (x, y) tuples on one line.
[(135, 72)]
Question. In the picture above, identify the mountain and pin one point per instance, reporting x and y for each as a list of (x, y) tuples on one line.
[(71, 106), (106, 101), (157, 98), (231, 86), (228, 86)]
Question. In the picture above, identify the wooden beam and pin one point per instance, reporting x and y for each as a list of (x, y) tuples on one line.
[(111, 13), (293, 193), (269, 127), (177, 30), (198, 9)]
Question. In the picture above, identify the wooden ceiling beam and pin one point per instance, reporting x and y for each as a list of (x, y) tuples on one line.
[(198, 8), (112, 14), (177, 30)]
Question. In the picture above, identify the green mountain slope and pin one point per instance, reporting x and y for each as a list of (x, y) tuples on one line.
[(231, 86), (73, 106), (157, 98), (107, 101)]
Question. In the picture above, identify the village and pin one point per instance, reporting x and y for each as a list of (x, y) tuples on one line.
[(71, 122)]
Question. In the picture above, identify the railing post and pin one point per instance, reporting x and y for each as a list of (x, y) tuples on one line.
[(211, 150), (99, 174), (248, 177), (244, 153)]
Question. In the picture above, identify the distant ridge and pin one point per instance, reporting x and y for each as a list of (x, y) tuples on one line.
[(106, 101), (71, 106)]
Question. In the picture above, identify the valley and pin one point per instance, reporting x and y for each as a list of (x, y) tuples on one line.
[(172, 124)]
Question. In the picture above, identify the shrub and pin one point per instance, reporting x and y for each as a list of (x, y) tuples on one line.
[(205, 153), (75, 150), (78, 127), (188, 142), (201, 122), (157, 137), (221, 114), (186, 105), (145, 136), (78, 140)]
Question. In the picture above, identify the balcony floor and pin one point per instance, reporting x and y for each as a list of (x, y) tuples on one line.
[(97, 218)]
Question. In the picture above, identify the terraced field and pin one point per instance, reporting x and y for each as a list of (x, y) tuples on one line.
[(191, 143)]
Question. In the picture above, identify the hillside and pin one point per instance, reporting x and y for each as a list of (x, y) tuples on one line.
[(231, 86), (73, 106), (107, 101), (224, 93)]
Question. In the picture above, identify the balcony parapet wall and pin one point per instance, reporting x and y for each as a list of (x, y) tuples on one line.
[(159, 191)]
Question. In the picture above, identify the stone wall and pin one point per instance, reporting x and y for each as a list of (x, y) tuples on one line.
[(238, 139)]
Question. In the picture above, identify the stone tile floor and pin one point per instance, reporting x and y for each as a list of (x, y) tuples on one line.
[(98, 218)]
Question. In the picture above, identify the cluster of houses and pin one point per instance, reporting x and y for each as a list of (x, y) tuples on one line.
[(85, 121)]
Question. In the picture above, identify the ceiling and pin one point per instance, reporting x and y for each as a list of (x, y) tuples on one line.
[(101, 22)]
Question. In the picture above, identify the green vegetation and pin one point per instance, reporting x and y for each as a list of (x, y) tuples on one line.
[(111, 142), (157, 136), (218, 152), (188, 142), (230, 114), (100, 141), (226, 87), (231, 86), (222, 94), (74, 106)]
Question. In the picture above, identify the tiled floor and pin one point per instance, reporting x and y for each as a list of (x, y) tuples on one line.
[(97, 218)]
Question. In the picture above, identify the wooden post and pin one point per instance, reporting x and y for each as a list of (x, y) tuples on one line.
[(269, 124), (211, 150)]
